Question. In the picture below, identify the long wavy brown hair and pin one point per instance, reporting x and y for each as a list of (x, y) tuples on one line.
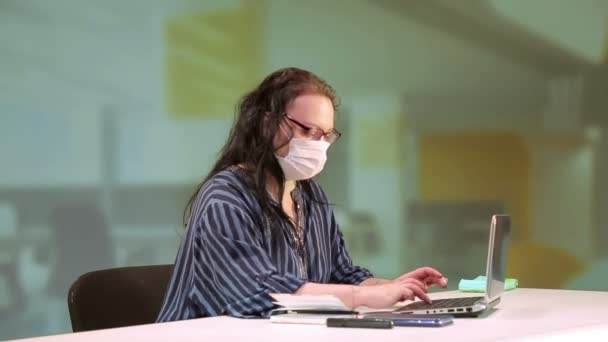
[(250, 142)]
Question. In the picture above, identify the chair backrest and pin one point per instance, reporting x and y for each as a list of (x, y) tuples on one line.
[(117, 297)]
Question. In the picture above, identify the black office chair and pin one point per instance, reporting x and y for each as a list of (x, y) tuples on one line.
[(117, 297)]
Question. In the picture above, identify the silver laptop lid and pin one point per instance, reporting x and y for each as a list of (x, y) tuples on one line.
[(498, 246)]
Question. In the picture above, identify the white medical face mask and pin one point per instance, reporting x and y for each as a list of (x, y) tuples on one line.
[(305, 159)]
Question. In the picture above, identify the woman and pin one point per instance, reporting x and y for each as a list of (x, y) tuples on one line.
[(258, 224)]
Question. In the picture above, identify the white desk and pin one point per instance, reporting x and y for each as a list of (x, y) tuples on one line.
[(524, 314)]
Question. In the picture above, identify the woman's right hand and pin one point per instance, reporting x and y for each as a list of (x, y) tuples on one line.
[(388, 294)]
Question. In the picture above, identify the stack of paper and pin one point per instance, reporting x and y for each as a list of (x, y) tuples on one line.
[(479, 284), (307, 309), (321, 303), (306, 318)]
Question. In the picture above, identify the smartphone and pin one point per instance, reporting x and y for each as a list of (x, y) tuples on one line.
[(366, 322), (411, 320)]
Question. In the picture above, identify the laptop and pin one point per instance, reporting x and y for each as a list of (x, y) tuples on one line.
[(500, 229)]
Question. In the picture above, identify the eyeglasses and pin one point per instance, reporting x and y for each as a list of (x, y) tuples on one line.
[(314, 133)]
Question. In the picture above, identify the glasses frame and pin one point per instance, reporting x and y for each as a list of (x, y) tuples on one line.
[(317, 134)]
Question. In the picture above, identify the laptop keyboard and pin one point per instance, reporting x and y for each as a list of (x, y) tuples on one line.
[(442, 303)]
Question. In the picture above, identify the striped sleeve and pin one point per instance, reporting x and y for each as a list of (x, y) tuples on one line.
[(344, 272), (231, 247)]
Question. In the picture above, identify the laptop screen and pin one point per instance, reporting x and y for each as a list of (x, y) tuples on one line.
[(500, 230)]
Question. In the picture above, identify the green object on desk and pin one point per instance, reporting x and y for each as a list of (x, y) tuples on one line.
[(479, 284)]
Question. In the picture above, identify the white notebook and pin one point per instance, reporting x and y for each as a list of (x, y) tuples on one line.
[(322, 303), (307, 309)]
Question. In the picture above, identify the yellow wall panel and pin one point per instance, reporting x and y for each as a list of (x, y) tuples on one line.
[(379, 141), (606, 47), (539, 265), (212, 58), (463, 167)]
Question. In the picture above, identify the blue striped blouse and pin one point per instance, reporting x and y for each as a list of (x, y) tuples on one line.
[(227, 264)]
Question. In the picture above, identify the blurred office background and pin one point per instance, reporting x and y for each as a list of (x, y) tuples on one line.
[(111, 111)]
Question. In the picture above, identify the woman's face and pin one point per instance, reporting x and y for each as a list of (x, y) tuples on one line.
[(304, 115)]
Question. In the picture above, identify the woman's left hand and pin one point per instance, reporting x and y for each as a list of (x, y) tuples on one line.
[(427, 275)]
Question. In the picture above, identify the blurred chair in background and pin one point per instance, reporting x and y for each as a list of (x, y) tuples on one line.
[(361, 233), (11, 295), (80, 242)]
